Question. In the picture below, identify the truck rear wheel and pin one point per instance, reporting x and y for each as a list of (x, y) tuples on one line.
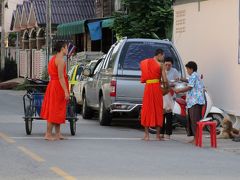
[(86, 111), (104, 115)]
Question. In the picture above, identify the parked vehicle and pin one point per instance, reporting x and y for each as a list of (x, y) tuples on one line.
[(81, 80), (85, 57), (114, 85), (74, 74)]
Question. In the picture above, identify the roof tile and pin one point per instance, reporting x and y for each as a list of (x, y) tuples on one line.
[(64, 11)]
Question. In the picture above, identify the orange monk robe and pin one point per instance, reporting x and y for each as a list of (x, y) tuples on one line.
[(54, 102), (152, 108)]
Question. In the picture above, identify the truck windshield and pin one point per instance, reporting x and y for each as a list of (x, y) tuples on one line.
[(134, 52)]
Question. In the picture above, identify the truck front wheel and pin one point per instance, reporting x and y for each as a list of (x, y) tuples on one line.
[(86, 111)]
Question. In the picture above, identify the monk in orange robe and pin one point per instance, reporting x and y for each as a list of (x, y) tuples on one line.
[(152, 107), (57, 93)]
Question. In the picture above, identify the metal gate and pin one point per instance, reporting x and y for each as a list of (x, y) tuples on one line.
[(32, 63), (39, 63)]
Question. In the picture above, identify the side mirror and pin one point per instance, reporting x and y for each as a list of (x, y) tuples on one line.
[(87, 72)]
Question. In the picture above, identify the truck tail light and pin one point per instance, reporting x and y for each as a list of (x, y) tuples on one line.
[(113, 88)]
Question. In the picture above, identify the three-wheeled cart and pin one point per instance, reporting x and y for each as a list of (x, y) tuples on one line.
[(32, 102)]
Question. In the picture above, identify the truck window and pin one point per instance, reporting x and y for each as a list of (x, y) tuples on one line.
[(112, 57), (134, 52), (106, 59), (98, 67)]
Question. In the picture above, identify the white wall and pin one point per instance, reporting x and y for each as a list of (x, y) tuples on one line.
[(8, 13), (210, 37)]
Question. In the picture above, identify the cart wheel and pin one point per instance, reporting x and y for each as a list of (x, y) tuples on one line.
[(28, 126), (73, 127), (72, 114), (28, 121)]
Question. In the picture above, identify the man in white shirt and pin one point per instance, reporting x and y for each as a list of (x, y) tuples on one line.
[(172, 74)]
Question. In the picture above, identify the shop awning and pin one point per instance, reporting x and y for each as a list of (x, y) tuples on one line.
[(107, 23), (76, 27), (95, 30)]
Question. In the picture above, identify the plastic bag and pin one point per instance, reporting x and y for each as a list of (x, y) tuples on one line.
[(168, 102)]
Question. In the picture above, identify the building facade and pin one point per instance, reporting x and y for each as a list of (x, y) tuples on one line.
[(29, 19), (208, 32), (104, 14), (9, 9)]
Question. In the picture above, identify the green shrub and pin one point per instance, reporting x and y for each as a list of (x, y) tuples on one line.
[(45, 75), (22, 86)]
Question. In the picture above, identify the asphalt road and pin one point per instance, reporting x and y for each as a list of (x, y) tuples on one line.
[(96, 152)]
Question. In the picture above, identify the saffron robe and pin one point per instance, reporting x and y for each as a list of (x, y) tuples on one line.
[(152, 107), (54, 102)]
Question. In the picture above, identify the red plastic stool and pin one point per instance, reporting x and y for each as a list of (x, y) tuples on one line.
[(213, 134)]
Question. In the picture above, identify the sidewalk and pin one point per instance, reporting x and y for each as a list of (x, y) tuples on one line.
[(223, 145), (10, 84)]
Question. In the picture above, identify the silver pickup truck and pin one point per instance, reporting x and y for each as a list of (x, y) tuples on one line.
[(114, 85)]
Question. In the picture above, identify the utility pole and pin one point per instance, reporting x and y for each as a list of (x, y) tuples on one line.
[(47, 36), (2, 36), (48, 28), (50, 25)]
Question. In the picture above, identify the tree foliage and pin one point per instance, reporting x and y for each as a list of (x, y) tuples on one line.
[(144, 18), (12, 37)]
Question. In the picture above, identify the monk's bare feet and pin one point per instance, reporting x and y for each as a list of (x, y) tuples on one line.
[(145, 138), (49, 138), (159, 138), (60, 137), (192, 141)]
